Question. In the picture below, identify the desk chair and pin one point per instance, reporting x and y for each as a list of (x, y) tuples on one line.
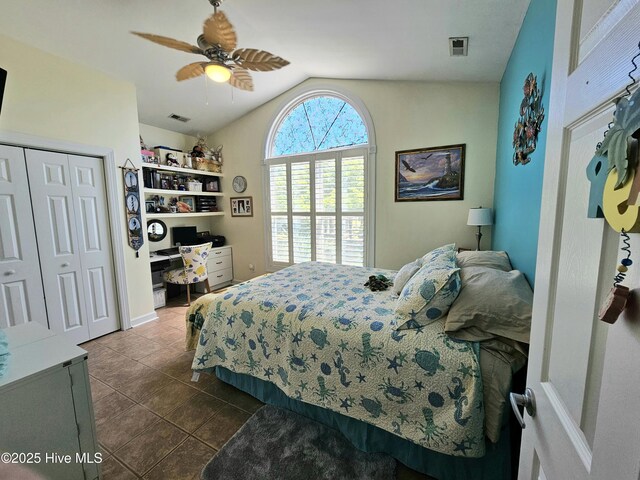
[(194, 270)]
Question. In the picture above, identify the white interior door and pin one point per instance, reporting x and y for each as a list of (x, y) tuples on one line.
[(54, 215), (21, 295), (94, 243), (70, 212), (584, 373)]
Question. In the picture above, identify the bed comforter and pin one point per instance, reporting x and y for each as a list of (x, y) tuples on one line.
[(314, 331)]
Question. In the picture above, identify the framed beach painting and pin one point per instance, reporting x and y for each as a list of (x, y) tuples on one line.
[(435, 173)]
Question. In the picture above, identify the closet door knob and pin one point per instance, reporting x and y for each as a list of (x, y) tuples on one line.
[(10, 272), (65, 265)]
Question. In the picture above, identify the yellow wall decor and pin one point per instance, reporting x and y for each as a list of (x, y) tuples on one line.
[(620, 212)]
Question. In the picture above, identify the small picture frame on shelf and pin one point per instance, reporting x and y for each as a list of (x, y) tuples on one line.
[(212, 185), (165, 184), (191, 201), (242, 207), (150, 206)]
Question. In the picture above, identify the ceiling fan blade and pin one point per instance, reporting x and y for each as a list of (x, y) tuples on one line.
[(258, 60), (241, 79), (190, 71), (170, 42), (218, 30)]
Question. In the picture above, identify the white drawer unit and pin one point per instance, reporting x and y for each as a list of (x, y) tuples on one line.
[(46, 404), (219, 269), (219, 263)]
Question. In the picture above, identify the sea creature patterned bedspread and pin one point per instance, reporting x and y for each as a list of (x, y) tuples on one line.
[(314, 331)]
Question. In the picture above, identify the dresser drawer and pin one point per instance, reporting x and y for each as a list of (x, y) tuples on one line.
[(215, 264), (222, 276), (220, 252)]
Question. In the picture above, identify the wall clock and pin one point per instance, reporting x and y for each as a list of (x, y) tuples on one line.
[(239, 184)]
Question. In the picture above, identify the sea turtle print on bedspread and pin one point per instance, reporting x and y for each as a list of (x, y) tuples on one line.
[(314, 331)]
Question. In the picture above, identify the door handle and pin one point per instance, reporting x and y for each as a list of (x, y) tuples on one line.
[(65, 265), (527, 400), (10, 272)]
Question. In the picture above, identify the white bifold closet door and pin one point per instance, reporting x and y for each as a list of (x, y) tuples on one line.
[(72, 228), (21, 294)]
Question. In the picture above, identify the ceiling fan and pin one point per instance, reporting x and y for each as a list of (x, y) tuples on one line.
[(224, 63)]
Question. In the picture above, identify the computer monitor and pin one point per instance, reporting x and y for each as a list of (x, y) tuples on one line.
[(184, 235)]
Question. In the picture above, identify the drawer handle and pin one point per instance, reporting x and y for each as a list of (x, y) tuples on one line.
[(219, 276), (218, 263), (217, 253), (10, 272)]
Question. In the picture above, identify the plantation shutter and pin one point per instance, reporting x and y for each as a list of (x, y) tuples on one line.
[(317, 208)]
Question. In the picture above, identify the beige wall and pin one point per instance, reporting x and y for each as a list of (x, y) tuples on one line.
[(48, 96), (154, 136), (405, 115)]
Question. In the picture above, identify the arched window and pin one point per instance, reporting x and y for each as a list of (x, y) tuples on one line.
[(317, 179), (319, 123)]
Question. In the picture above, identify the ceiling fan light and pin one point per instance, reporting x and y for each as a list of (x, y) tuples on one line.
[(218, 73)]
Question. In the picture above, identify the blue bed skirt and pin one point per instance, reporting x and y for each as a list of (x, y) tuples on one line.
[(495, 465)]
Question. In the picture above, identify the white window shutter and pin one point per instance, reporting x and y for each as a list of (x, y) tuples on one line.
[(317, 208)]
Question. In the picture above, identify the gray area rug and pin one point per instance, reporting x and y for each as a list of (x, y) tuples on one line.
[(279, 444)]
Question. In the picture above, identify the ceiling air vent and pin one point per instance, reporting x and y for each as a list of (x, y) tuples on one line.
[(179, 118), (458, 46)]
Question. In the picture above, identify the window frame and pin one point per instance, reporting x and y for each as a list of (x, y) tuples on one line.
[(367, 151)]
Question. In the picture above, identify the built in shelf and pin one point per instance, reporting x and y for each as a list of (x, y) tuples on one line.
[(181, 193), (184, 215), (191, 171)]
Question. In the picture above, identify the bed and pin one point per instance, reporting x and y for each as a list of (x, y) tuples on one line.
[(312, 338)]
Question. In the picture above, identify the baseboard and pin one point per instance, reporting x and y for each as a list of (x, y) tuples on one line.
[(142, 319)]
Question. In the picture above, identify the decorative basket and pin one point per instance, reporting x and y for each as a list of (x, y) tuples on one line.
[(206, 165), (194, 186)]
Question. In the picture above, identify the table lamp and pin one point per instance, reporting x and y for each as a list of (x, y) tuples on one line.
[(479, 217)]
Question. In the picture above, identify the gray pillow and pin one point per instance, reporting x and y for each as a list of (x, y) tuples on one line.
[(491, 303), (484, 258), (405, 274)]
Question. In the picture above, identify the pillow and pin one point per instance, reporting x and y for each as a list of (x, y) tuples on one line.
[(405, 274), (484, 258), (446, 254), (491, 303), (427, 297)]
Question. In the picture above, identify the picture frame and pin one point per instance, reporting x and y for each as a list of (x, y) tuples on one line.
[(150, 206), (191, 201), (241, 206), (212, 185), (427, 174)]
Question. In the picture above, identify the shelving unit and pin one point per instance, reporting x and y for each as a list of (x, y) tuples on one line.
[(181, 170), (184, 215), (198, 174), (182, 193)]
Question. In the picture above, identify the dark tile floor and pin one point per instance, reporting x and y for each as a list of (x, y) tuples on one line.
[(152, 421)]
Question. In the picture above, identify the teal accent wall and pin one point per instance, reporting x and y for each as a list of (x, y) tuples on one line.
[(518, 189)]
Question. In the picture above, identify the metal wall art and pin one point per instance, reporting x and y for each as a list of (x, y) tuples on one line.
[(132, 205), (525, 135)]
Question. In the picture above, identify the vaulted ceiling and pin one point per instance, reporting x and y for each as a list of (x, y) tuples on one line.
[(346, 39)]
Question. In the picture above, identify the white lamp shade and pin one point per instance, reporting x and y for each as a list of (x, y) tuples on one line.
[(480, 216)]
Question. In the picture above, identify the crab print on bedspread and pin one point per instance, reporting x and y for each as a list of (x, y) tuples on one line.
[(315, 332)]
